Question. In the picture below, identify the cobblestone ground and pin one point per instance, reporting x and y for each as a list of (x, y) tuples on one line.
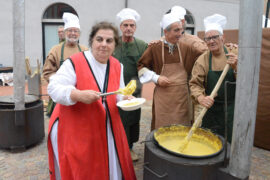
[(32, 164)]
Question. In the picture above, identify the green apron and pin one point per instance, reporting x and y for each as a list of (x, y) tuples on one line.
[(51, 104), (214, 119), (129, 59)]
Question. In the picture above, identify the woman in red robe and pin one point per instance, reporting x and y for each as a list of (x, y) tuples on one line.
[(86, 136)]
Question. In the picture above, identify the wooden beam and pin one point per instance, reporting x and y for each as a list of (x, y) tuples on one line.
[(250, 36), (19, 54)]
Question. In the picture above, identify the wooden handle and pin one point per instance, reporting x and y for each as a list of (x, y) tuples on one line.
[(28, 68), (198, 120), (38, 66), (220, 80)]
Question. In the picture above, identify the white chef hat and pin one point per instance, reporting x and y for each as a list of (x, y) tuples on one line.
[(168, 19), (70, 20), (128, 13), (179, 11), (215, 22)]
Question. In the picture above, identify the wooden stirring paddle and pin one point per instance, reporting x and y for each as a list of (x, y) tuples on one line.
[(198, 120)]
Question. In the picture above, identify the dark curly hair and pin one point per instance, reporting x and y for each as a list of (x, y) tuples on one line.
[(103, 25)]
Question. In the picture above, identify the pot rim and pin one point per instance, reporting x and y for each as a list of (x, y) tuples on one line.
[(185, 155)]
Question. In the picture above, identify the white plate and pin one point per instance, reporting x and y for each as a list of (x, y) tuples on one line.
[(139, 102)]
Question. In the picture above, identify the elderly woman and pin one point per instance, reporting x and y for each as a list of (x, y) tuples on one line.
[(86, 137)]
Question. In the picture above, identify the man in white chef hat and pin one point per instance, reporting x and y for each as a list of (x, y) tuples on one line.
[(63, 50), (206, 72), (197, 46), (164, 63), (128, 52)]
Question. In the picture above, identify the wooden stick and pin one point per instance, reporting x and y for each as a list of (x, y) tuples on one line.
[(28, 68), (38, 66), (204, 110)]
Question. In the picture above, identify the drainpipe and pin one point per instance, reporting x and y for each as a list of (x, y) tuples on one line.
[(18, 54), (126, 3), (267, 13), (247, 87)]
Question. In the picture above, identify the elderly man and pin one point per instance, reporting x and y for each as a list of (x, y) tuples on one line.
[(206, 72), (128, 52), (62, 51), (163, 64), (61, 33), (196, 43), (196, 47)]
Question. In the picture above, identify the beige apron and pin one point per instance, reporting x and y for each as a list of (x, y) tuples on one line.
[(171, 102)]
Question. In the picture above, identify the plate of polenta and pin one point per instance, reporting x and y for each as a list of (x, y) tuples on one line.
[(131, 104)]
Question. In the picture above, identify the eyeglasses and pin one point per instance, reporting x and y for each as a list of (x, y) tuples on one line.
[(207, 39), (131, 25), (73, 30)]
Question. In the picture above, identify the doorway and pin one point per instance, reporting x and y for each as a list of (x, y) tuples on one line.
[(52, 18)]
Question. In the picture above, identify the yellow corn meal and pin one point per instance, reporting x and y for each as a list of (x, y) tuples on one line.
[(184, 143), (131, 104), (129, 89), (194, 148), (202, 143)]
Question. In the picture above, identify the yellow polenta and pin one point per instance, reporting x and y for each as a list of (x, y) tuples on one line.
[(131, 104), (194, 148), (129, 89), (202, 143)]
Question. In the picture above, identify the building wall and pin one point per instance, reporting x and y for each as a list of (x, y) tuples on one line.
[(6, 35), (93, 11), (152, 11)]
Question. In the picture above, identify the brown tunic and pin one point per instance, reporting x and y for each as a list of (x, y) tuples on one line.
[(152, 58), (191, 48), (52, 62)]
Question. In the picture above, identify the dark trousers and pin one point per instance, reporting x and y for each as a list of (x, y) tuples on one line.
[(131, 123)]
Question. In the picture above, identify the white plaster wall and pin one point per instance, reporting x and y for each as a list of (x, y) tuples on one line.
[(152, 11), (92, 11), (6, 33), (89, 12)]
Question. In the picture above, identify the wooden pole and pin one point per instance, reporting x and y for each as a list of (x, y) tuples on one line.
[(250, 36), (18, 51)]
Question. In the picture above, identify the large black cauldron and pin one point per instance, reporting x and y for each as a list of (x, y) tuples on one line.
[(159, 164), (21, 129)]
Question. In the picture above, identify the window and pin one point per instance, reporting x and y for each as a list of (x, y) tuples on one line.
[(56, 11), (190, 25)]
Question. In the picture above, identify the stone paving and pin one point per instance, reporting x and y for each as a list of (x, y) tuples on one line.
[(32, 164)]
